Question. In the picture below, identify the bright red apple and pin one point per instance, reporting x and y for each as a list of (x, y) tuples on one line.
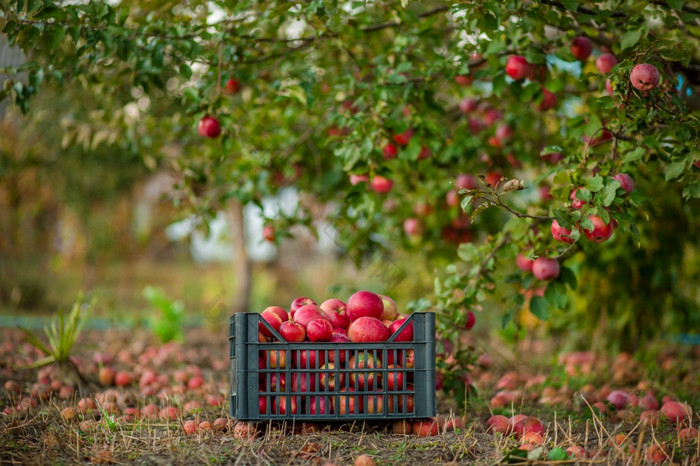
[(404, 138), (233, 86), (209, 127), (361, 380), (394, 379), (307, 313), (471, 320), (549, 100), (601, 231), (576, 203), (271, 318), (365, 303), (381, 184), (292, 332), (277, 310), (406, 334), (560, 233), (524, 263), (390, 151), (299, 302), (335, 310), (518, 68), (367, 329), (626, 182), (319, 330)]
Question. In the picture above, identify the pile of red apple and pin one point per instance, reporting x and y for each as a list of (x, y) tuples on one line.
[(327, 381)]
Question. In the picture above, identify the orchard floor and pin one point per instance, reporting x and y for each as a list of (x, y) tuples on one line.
[(38, 426)]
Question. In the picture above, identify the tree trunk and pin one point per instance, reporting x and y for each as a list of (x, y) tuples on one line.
[(242, 267)]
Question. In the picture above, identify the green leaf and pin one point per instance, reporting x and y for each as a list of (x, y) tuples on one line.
[(569, 277), (186, 71), (570, 4), (674, 170), (557, 454), (594, 184), (9, 27), (539, 306), (675, 4), (57, 35), (634, 155), (630, 38), (609, 192)]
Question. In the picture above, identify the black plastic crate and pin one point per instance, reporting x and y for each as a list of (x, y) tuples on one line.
[(302, 389)]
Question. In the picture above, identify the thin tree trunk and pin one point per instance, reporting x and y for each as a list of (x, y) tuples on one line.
[(242, 267)]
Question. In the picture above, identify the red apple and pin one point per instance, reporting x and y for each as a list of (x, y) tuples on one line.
[(493, 178), (319, 405), (406, 334), (307, 313), (524, 263), (549, 100), (281, 405), (429, 428), (412, 227), (425, 153), (626, 182), (305, 382), (308, 359), (576, 203), (269, 233), (335, 310), (277, 310), (619, 398), (342, 354), (676, 412), (601, 231), (277, 359), (545, 268), (394, 379), (390, 151), (233, 86), (608, 87), (357, 179), (498, 423), (365, 381), (560, 233), (327, 379), (122, 379), (452, 198), (292, 331), (471, 320), (278, 382), (348, 403), (390, 310), (271, 318), (605, 62), (463, 80), (581, 47), (367, 329), (373, 404), (467, 105), (404, 138), (319, 330), (644, 77), (299, 302), (365, 303), (528, 425), (518, 68), (466, 181), (209, 127), (381, 184)]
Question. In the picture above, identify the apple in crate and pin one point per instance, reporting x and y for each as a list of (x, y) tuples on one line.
[(304, 382), (347, 403), (342, 354), (277, 382), (306, 314), (390, 309), (394, 379), (279, 311), (319, 330), (292, 332), (309, 359), (281, 405), (406, 334), (367, 329), (277, 359), (327, 378), (403, 404), (319, 405), (335, 310), (374, 404), (361, 381), (297, 303), (271, 318), (365, 304)]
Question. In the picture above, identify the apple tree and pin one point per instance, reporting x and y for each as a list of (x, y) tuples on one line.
[(542, 154)]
